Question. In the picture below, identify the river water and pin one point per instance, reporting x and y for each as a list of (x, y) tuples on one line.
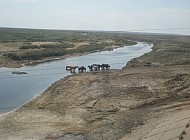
[(15, 90)]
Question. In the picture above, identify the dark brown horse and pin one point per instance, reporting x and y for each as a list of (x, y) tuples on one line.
[(105, 66), (90, 68), (82, 69)]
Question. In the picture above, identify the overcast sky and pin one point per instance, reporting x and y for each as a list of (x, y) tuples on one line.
[(114, 15)]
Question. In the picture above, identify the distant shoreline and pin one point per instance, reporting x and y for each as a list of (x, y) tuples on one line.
[(19, 64)]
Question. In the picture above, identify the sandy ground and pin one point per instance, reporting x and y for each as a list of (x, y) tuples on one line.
[(78, 45), (167, 124), (127, 104), (5, 48), (44, 43)]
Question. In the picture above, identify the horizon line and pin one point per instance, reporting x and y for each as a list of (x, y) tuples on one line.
[(138, 31)]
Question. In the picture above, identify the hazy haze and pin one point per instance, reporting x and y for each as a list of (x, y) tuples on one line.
[(114, 15)]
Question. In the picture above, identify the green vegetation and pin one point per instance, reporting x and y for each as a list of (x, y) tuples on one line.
[(35, 55), (164, 54), (52, 52), (28, 44), (50, 46)]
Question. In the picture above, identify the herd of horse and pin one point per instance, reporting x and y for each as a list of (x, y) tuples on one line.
[(93, 67)]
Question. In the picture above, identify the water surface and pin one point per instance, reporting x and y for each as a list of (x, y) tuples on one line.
[(15, 90)]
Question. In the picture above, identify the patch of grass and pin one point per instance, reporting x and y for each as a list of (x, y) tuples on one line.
[(25, 37), (62, 45), (36, 54), (165, 54)]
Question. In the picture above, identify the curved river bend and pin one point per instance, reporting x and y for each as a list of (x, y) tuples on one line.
[(16, 90)]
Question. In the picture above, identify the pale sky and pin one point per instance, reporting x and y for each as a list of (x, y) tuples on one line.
[(107, 15)]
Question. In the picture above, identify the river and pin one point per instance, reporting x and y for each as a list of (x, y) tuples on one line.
[(15, 90)]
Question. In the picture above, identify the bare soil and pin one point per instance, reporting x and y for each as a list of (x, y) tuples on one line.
[(44, 43), (79, 44), (116, 104), (6, 48)]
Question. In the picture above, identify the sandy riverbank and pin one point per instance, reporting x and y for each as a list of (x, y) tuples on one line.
[(103, 105)]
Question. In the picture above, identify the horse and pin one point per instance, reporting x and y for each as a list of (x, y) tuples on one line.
[(90, 68), (96, 67), (105, 66), (82, 69), (71, 68)]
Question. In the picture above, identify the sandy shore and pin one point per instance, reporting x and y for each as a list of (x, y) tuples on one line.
[(117, 104)]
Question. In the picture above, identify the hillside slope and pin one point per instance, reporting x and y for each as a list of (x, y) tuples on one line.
[(103, 105)]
